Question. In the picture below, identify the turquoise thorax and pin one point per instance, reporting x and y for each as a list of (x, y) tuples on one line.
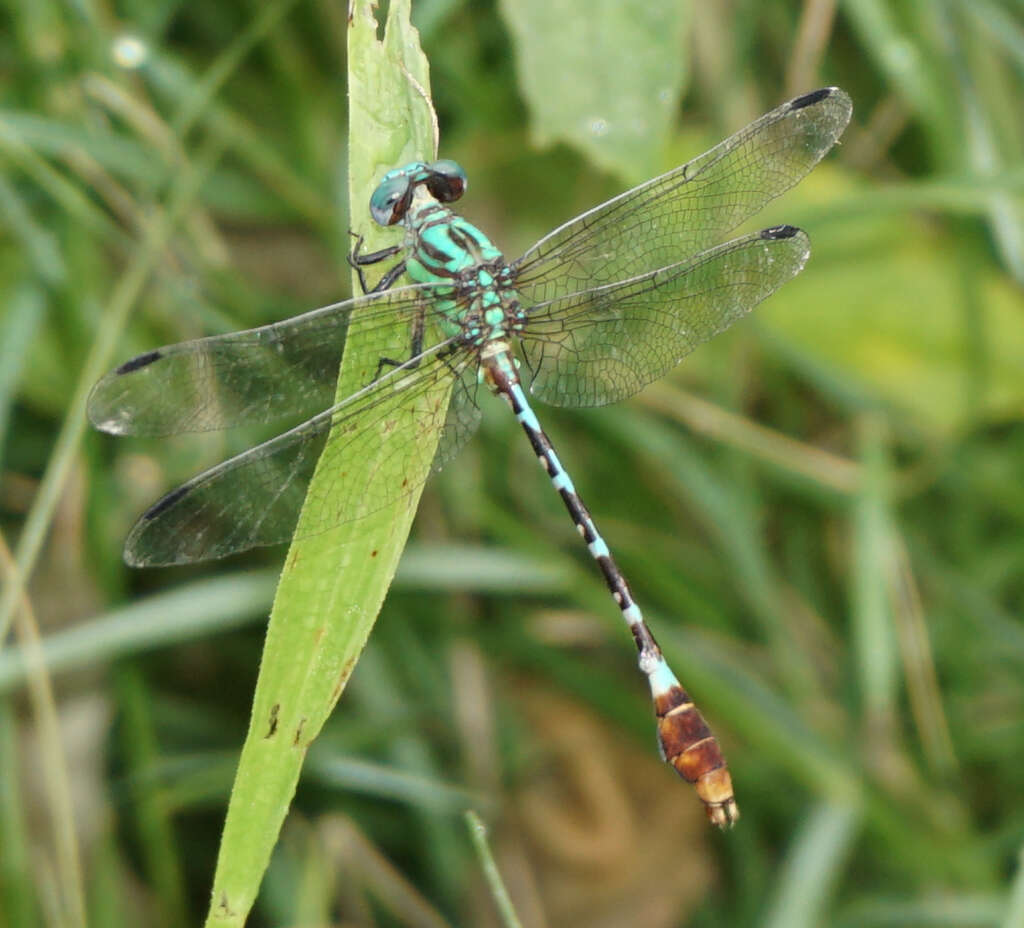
[(440, 244), (443, 248)]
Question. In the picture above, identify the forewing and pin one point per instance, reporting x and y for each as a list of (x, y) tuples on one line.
[(689, 209), (286, 370), (603, 345), (254, 499)]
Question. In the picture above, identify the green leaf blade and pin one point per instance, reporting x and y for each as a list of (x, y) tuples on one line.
[(333, 583)]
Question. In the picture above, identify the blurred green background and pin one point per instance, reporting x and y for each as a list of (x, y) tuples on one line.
[(822, 511)]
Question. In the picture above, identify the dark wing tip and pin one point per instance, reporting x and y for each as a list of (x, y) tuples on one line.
[(164, 503), (779, 232), (139, 554), (809, 99), (139, 361)]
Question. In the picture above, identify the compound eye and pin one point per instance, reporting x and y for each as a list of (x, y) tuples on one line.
[(390, 201), (447, 181)]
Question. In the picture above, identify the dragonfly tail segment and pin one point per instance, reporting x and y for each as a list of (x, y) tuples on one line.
[(686, 742), (684, 738)]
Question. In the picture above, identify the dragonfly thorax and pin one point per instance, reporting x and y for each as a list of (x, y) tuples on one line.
[(441, 245), (476, 296), (443, 248)]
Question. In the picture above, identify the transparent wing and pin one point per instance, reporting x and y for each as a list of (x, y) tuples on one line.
[(689, 209), (463, 414), (254, 499), (285, 370), (602, 345)]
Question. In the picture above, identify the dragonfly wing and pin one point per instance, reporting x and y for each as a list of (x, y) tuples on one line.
[(603, 345), (275, 372), (254, 499), (462, 418), (690, 208)]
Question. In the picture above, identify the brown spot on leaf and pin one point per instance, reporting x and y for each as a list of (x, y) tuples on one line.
[(223, 907), (272, 727)]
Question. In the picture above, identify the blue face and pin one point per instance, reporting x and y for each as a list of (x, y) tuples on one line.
[(445, 180)]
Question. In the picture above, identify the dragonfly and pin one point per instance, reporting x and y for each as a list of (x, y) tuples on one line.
[(602, 306)]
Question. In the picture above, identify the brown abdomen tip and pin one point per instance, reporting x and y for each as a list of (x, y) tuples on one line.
[(715, 790), (689, 746)]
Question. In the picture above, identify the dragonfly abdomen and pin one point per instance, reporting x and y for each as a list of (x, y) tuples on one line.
[(684, 738)]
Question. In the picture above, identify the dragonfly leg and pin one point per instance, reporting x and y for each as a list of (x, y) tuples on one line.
[(415, 348), (359, 261), (684, 738), (447, 354)]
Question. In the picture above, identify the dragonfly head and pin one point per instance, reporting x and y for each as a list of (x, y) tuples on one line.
[(391, 199), (445, 181)]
